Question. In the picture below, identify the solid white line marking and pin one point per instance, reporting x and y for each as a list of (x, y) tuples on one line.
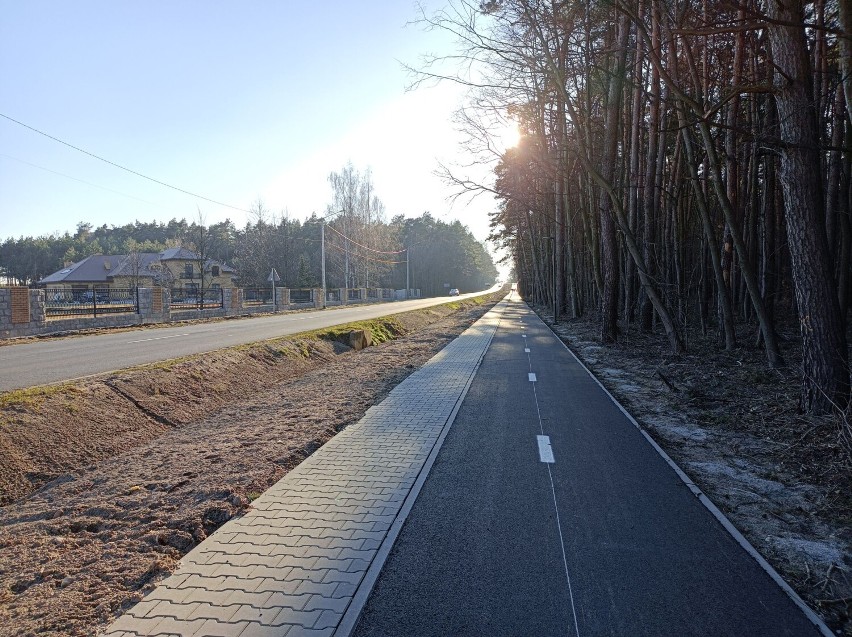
[(159, 338), (545, 451), (524, 335), (531, 377), (527, 350)]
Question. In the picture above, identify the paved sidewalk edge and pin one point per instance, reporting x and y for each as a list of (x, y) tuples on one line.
[(349, 622), (707, 502)]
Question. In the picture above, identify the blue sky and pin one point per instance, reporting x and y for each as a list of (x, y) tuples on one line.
[(234, 101)]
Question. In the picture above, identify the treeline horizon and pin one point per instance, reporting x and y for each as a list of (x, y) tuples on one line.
[(440, 253), (362, 249)]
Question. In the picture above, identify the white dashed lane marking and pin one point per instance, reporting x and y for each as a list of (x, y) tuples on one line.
[(159, 338), (545, 451), (532, 377)]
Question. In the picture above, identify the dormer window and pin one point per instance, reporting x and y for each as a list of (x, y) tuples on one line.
[(215, 270), (187, 270)]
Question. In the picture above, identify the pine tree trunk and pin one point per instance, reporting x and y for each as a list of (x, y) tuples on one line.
[(845, 44), (825, 370), (633, 201), (609, 244), (649, 199)]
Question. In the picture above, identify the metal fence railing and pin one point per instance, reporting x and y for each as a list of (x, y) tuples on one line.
[(257, 296), (82, 301), (301, 296), (387, 293), (354, 294), (197, 299)]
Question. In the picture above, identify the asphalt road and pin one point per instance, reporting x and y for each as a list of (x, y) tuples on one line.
[(605, 540), (56, 360)]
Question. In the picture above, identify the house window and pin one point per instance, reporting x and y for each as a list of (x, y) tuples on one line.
[(215, 270), (187, 270)]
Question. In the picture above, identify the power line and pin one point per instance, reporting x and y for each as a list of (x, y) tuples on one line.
[(132, 172), (363, 246), (361, 256), (88, 183)]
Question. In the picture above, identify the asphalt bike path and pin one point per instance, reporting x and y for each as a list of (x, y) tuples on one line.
[(548, 512)]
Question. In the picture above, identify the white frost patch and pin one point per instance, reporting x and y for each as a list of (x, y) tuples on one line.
[(821, 553), (620, 380), (678, 430), (761, 505), (732, 476), (589, 354), (629, 388)]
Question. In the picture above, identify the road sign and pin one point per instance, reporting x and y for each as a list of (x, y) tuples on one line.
[(273, 277)]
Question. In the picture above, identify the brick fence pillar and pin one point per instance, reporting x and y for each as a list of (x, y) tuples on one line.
[(153, 304), (19, 300), (283, 296), (146, 298), (237, 297), (227, 303), (22, 311), (167, 302)]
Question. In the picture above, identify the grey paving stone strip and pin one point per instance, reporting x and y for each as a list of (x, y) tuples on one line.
[(292, 565)]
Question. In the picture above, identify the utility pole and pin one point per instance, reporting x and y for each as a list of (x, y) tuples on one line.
[(367, 240), (407, 284), (346, 247), (322, 253)]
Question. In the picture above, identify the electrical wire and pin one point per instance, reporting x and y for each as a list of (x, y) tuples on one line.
[(360, 256), (132, 172), (363, 246), (88, 183), (181, 190)]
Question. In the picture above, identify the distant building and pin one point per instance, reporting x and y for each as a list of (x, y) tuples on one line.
[(176, 268)]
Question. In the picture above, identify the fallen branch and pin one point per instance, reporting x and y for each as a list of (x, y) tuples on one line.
[(667, 381)]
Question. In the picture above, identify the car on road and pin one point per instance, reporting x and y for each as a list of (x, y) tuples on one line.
[(87, 296), (454, 291)]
